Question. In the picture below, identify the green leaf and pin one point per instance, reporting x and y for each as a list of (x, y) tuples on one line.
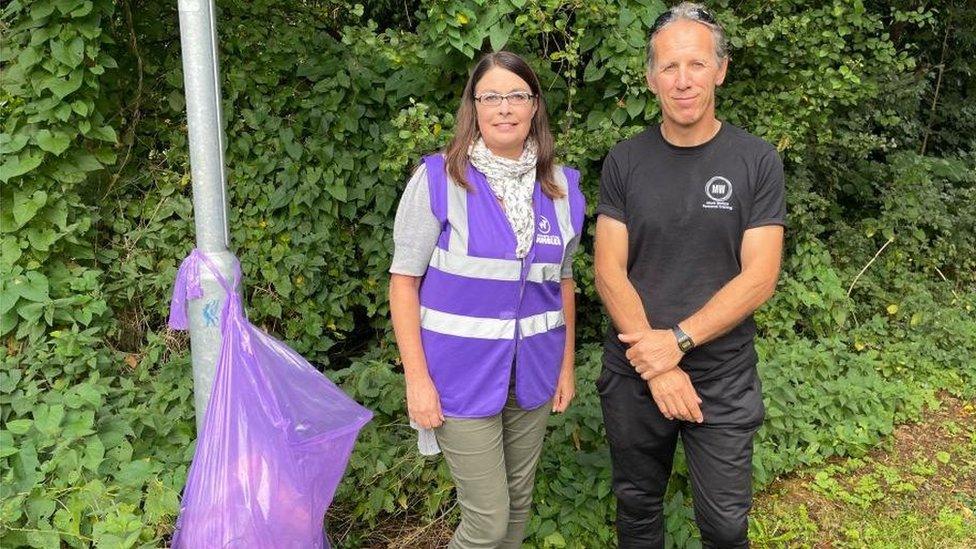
[(10, 252), (67, 6), (62, 87), (594, 71), (47, 419), (71, 54), (52, 142), (12, 143), (31, 312), (85, 9), (24, 209), (19, 426), (19, 165), (499, 34), (40, 10), (7, 447), (8, 321), (161, 502), (41, 239), (32, 286), (80, 107), (94, 454), (134, 473), (103, 133), (635, 105)]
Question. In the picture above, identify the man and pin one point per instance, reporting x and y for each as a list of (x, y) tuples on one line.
[(689, 240)]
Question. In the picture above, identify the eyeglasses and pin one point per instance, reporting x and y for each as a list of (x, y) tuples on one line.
[(698, 14), (515, 99)]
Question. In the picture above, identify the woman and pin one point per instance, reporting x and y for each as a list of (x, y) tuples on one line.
[(482, 296)]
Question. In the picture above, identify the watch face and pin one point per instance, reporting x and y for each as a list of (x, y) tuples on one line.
[(685, 344)]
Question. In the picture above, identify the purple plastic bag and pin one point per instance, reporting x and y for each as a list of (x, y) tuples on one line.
[(276, 438)]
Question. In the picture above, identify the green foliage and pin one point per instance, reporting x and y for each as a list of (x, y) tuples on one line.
[(55, 132), (91, 454), (328, 107)]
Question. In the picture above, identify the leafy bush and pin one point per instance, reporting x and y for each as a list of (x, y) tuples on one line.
[(329, 105)]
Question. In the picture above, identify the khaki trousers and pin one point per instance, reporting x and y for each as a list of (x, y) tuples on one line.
[(493, 461)]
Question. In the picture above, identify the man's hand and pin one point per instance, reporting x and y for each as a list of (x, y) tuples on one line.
[(675, 396), (652, 352)]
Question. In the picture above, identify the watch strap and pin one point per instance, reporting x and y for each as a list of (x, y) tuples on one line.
[(685, 343)]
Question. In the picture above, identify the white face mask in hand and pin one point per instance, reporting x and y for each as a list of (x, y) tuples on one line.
[(426, 441)]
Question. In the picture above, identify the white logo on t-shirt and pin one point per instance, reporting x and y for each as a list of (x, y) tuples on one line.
[(719, 191)]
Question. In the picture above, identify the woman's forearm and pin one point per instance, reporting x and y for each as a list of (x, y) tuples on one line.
[(405, 312), (569, 312)]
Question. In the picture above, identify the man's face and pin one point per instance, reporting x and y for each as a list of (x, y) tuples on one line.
[(685, 73)]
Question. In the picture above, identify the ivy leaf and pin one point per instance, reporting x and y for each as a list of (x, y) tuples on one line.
[(52, 142), (80, 107)]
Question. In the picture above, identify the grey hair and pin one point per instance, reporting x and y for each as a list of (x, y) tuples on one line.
[(688, 11)]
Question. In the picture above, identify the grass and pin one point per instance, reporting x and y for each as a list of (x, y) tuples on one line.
[(919, 491)]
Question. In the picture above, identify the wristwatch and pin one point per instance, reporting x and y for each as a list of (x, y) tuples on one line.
[(685, 343)]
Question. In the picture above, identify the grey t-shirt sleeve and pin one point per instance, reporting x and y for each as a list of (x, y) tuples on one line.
[(567, 268), (415, 228)]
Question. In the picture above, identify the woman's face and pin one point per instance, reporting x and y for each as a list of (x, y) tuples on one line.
[(504, 127)]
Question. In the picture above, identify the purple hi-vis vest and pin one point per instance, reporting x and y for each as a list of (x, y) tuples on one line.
[(481, 307)]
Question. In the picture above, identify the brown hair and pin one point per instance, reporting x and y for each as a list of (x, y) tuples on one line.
[(466, 130)]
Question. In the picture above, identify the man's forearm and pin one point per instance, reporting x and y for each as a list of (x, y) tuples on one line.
[(729, 306), (622, 302)]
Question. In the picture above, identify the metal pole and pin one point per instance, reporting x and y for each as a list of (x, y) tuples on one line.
[(201, 79)]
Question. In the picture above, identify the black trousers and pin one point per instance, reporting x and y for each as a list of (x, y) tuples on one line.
[(718, 452)]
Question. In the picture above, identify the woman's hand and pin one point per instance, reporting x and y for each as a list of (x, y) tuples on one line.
[(423, 403), (565, 388)]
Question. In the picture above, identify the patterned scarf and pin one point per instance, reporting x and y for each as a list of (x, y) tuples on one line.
[(513, 182)]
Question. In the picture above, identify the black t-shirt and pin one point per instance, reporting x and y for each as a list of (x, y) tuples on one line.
[(686, 209)]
